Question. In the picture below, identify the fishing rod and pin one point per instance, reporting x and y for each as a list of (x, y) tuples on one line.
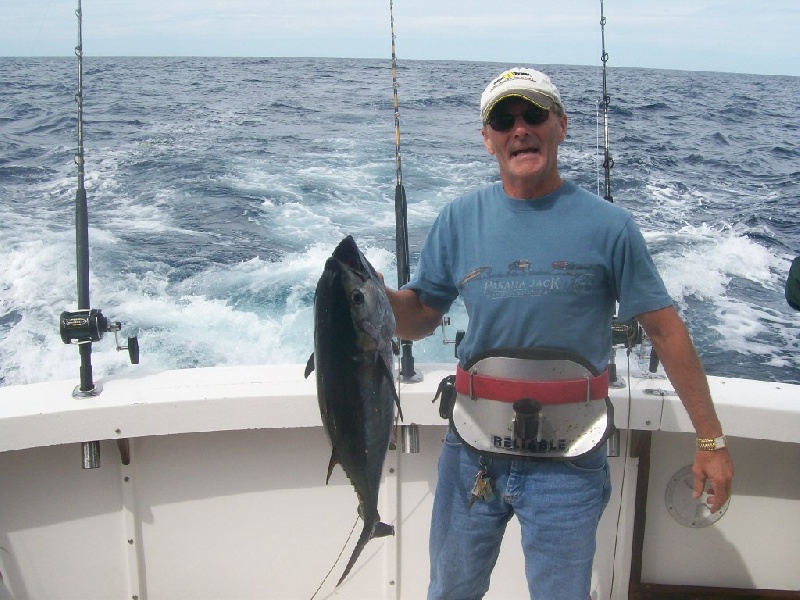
[(622, 333), (401, 213), (608, 162), (86, 325), (629, 333)]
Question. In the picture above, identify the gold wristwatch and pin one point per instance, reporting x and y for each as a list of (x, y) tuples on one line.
[(711, 443)]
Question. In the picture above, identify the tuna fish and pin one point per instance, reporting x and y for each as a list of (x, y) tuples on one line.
[(353, 329)]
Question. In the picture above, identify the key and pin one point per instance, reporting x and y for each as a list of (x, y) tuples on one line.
[(482, 490), (487, 494)]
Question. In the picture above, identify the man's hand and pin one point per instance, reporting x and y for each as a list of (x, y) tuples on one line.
[(414, 319), (715, 466)]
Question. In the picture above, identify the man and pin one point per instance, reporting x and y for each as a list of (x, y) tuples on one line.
[(540, 263)]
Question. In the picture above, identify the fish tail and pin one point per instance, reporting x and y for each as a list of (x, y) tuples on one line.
[(370, 531), (362, 541)]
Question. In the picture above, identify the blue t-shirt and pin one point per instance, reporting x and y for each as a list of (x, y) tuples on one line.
[(538, 273)]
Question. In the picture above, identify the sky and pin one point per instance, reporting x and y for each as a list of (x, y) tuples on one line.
[(740, 36)]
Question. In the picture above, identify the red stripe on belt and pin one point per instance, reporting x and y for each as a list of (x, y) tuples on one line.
[(545, 392)]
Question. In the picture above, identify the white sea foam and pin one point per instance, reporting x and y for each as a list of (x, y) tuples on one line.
[(701, 261), (214, 207)]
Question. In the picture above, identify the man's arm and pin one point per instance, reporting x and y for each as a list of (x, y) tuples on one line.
[(415, 320), (676, 351)]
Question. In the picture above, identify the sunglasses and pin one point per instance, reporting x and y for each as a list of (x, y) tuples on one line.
[(503, 121)]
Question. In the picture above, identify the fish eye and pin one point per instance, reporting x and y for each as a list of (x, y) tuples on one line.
[(357, 297)]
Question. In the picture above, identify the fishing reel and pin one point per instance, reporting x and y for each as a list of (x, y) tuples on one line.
[(89, 325), (626, 333), (630, 334)]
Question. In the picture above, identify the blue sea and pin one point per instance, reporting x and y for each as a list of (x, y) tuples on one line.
[(218, 186)]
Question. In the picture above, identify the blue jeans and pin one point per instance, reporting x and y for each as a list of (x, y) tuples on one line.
[(558, 504)]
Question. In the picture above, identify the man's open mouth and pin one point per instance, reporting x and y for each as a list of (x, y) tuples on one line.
[(524, 151)]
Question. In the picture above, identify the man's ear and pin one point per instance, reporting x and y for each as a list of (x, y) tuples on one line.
[(563, 127), (487, 143)]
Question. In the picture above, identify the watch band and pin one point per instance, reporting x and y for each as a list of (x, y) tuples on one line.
[(711, 443)]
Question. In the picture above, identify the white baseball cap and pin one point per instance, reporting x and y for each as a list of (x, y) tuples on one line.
[(520, 82)]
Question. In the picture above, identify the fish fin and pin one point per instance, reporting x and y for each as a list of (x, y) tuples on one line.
[(382, 530), (309, 365), (331, 463), (388, 374), (369, 532), (395, 348), (365, 536)]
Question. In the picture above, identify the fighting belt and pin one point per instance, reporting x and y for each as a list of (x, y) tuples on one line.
[(531, 403)]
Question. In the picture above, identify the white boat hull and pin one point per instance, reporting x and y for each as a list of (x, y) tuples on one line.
[(224, 493)]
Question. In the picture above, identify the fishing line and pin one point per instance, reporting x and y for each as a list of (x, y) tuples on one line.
[(622, 482), (336, 562), (38, 37), (608, 163)]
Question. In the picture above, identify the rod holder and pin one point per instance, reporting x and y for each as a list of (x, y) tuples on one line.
[(410, 436), (527, 413), (91, 454)]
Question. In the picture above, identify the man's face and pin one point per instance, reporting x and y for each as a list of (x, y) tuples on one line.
[(527, 154)]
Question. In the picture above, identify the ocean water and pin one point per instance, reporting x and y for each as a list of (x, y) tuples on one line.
[(218, 186)]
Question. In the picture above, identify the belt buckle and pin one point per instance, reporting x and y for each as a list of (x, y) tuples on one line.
[(472, 373)]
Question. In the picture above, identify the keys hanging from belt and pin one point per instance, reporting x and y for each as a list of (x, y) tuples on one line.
[(482, 490)]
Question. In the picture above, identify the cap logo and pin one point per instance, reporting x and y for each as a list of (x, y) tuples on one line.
[(509, 75)]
